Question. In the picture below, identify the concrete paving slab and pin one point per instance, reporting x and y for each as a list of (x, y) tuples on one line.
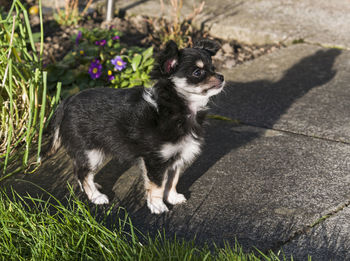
[(264, 21), (259, 186), (302, 89), (327, 241)]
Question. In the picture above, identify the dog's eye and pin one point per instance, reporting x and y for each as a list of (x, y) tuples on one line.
[(197, 73)]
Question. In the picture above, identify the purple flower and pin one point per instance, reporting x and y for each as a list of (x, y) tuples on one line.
[(116, 37), (95, 69), (118, 63), (77, 39), (101, 43)]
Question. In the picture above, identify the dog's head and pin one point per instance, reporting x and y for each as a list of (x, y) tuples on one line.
[(190, 69)]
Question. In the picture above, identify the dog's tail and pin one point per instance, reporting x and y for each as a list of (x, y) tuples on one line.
[(53, 131)]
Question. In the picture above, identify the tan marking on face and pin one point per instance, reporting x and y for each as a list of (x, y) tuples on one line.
[(211, 81), (200, 64)]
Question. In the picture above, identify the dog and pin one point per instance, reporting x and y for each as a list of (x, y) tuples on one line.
[(161, 126)]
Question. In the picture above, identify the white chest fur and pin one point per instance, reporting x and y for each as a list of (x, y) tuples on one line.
[(186, 149)]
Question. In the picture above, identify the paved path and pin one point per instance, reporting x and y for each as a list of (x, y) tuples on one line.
[(280, 178), (263, 21), (298, 167)]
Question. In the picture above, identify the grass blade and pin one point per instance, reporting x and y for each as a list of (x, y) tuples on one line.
[(10, 131), (42, 113)]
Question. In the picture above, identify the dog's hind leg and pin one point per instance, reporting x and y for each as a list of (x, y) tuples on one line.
[(171, 194), (91, 190), (86, 173)]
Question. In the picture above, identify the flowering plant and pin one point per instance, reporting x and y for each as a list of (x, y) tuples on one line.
[(118, 63), (95, 69), (100, 59)]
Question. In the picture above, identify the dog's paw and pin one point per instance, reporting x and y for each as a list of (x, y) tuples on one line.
[(175, 198), (98, 185), (157, 206), (100, 199)]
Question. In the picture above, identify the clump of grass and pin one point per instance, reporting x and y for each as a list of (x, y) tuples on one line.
[(34, 229), (298, 41), (179, 28), (24, 103), (37, 229), (70, 15)]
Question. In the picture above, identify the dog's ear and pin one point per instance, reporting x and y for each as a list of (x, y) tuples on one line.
[(169, 57), (208, 45), (166, 61)]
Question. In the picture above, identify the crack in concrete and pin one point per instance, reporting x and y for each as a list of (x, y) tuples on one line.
[(309, 136), (306, 229), (324, 45), (239, 122)]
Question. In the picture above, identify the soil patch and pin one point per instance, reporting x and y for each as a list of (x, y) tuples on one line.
[(140, 31)]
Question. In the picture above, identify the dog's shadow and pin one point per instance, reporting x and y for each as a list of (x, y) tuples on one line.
[(259, 103)]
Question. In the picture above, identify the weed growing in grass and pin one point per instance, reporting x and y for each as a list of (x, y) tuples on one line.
[(25, 105), (70, 15), (100, 59), (36, 229)]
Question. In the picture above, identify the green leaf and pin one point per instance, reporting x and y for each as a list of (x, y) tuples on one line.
[(144, 76), (36, 37), (70, 91), (83, 78), (136, 82), (124, 84), (149, 62), (128, 71), (136, 62), (68, 78), (147, 54)]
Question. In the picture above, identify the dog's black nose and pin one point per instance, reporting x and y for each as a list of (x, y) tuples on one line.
[(220, 77)]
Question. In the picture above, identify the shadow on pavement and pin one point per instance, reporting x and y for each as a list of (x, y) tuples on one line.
[(261, 101)]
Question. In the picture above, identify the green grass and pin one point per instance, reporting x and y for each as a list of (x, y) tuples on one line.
[(25, 105), (35, 229), (222, 118), (298, 41)]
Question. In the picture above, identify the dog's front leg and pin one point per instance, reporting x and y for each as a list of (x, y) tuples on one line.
[(154, 195), (155, 179), (170, 193)]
